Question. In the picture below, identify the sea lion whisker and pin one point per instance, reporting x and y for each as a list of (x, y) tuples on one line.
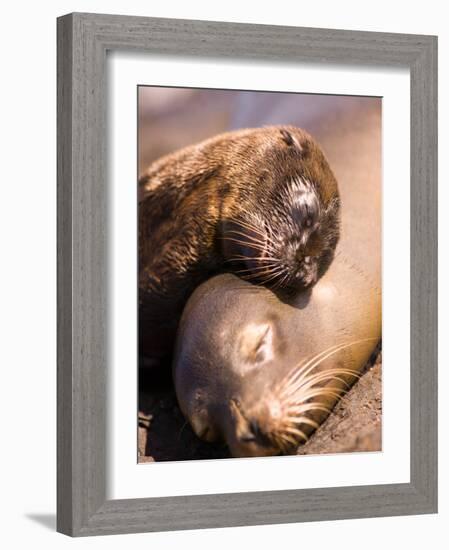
[(237, 224), (252, 277), (262, 268), (258, 249), (252, 217), (247, 224), (275, 276), (275, 272), (346, 384), (282, 281), (275, 437), (329, 378), (266, 265), (259, 277), (306, 407), (329, 374), (276, 268), (311, 380), (323, 375), (260, 235), (286, 441), (256, 239), (299, 369), (319, 358), (302, 390), (318, 392), (331, 350), (302, 420), (303, 365), (325, 392), (289, 440), (256, 245), (295, 431), (244, 210), (241, 257), (305, 382)]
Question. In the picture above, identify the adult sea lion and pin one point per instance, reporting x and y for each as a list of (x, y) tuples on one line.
[(262, 203), (261, 373)]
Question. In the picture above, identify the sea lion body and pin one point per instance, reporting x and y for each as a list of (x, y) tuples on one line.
[(261, 372), (262, 203)]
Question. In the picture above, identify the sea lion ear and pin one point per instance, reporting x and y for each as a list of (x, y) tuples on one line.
[(290, 140)]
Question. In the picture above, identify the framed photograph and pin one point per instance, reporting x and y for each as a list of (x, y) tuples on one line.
[(247, 274), (255, 157)]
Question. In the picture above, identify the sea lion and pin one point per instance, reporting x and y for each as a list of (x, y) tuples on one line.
[(260, 372), (262, 203)]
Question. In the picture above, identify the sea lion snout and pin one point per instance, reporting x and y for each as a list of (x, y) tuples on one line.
[(246, 433)]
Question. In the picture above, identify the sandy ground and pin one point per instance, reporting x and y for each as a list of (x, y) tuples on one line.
[(353, 426)]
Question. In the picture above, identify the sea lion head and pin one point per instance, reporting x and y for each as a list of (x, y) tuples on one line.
[(236, 371), (284, 233), (217, 392), (225, 409)]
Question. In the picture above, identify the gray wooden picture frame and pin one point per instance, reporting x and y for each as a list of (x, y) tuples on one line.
[(83, 40)]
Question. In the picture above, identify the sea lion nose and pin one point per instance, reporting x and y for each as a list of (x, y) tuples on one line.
[(246, 429), (247, 437)]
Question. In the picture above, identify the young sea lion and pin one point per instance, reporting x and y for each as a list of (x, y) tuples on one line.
[(262, 203)]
